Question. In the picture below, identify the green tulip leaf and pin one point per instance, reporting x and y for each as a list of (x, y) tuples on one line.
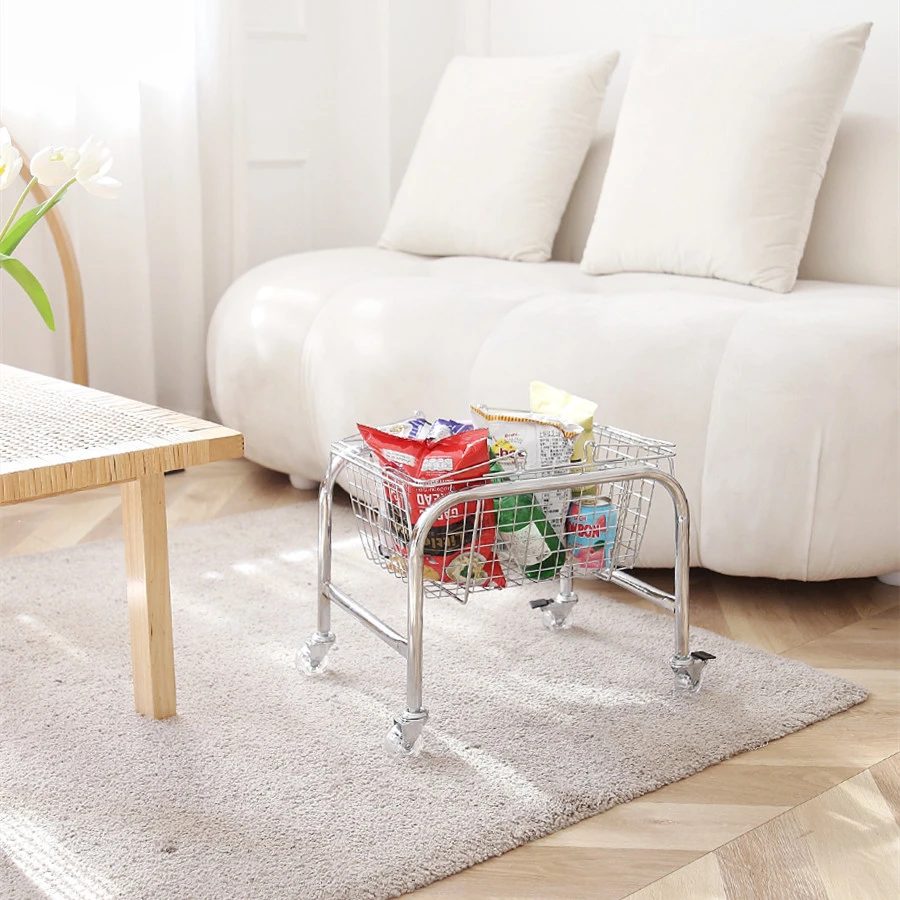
[(31, 286), (26, 222)]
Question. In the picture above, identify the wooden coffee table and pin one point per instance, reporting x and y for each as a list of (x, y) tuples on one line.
[(57, 437)]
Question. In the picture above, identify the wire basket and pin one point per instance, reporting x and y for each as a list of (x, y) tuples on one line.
[(523, 537)]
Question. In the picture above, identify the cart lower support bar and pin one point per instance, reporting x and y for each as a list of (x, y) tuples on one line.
[(645, 591), (370, 620)]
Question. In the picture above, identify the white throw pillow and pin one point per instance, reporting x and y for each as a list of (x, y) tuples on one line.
[(719, 152), (497, 156)]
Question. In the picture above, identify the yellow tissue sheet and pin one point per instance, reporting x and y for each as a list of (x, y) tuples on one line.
[(553, 401)]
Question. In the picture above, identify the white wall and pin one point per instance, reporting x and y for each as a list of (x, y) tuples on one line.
[(386, 57), (361, 140), (422, 38), (276, 128), (527, 27), (332, 96)]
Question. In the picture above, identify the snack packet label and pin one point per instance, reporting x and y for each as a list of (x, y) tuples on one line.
[(553, 401), (437, 464), (415, 427), (526, 546), (456, 551), (403, 459), (548, 442)]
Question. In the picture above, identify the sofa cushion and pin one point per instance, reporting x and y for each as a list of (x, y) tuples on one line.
[(855, 231), (497, 156), (719, 152)]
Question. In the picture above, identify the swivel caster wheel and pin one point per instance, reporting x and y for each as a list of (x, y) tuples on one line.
[(404, 739), (689, 671), (556, 615), (312, 657)]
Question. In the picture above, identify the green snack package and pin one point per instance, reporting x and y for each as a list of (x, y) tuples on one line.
[(530, 540)]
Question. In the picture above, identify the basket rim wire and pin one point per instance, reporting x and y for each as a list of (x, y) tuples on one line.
[(354, 450), (379, 498)]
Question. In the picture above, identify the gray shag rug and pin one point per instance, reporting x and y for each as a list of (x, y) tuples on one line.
[(271, 784)]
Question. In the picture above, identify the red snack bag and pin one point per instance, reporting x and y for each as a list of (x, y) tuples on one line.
[(452, 546)]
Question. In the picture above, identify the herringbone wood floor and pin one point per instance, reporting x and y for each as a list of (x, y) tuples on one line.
[(814, 815)]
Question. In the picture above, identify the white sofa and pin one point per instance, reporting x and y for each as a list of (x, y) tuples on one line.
[(784, 407)]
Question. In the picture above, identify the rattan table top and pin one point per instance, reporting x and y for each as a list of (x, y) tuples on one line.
[(76, 437)]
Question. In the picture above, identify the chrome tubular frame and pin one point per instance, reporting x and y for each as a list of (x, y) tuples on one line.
[(323, 569), (410, 647)]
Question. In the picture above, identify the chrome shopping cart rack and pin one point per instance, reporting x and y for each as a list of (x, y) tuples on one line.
[(526, 523)]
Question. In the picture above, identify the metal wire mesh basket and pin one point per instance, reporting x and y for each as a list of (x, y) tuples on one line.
[(523, 537)]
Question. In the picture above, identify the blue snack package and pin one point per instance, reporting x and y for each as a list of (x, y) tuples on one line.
[(416, 427), (442, 428)]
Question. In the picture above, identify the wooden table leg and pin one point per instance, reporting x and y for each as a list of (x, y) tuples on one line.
[(149, 605)]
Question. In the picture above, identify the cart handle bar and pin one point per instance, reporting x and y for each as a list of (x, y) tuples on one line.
[(540, 484), (552, 483)]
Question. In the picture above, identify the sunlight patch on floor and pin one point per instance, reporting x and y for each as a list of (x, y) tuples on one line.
[(500, 775), (47, 864), (52, 636), (297, 556), (588, 694)]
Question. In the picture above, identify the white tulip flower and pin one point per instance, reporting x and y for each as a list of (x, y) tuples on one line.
[(54, 165), (10, 160), (91, 171)]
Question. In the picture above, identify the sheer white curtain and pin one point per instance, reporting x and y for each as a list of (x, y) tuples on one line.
[(153, 79)]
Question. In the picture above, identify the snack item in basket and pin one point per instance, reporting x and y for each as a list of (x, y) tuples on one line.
[(415, 427), (554, 402), (421, 429), (458, 549), (547, 440), (528, 537), (591, 532), (442, 428)]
